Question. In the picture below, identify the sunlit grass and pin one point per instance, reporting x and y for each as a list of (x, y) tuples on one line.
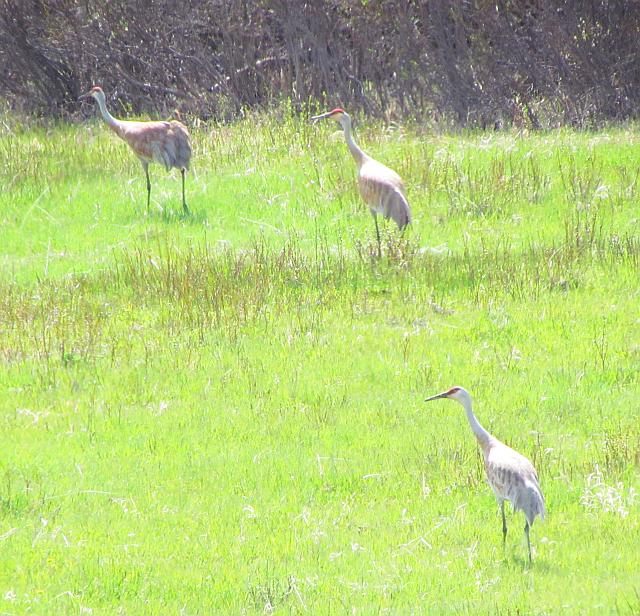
[(224, 412)]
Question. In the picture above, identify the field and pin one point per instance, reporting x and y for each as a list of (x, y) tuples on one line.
[(224, 412)]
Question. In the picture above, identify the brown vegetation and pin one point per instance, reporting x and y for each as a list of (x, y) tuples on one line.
[(532, 63)]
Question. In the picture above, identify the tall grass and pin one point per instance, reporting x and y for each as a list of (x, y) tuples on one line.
[(223, 413)]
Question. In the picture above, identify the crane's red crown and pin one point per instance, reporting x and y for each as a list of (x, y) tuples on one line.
[(95, 89), (336, 110), (450, 393)]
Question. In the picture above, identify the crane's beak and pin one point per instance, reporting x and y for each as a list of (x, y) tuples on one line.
[(84, 97), (322, 116), (442, 395)]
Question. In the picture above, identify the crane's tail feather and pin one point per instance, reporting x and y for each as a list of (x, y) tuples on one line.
[(182, 151), (397, 207), (531, 501)]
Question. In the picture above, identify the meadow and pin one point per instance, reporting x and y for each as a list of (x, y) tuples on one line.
[(224, 412)]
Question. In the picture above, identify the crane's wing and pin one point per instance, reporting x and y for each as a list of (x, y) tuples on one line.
[(513, 477), (165, 142), (383, 191), (396, 206), (172, 147), (182, 145)]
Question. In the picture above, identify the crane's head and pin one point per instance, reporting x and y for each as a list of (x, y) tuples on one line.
[(95, 92), (337, 114), (455, 393)]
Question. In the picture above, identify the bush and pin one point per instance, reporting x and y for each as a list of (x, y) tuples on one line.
[(468, 62)]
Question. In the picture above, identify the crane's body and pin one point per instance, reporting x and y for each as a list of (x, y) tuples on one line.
[(510, 474), (166, 143), (381, 188)]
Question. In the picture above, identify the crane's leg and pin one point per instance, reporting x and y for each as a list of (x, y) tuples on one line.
[(504, 525), (184, 203), (146, 172), (526, 532), (375, 220)]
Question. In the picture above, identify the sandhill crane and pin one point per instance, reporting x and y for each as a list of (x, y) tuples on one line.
[(510, 474), (166, 143), (381, 188)]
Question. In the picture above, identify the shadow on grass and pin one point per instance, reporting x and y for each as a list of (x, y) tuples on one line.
[(169, 216), (522, 563)]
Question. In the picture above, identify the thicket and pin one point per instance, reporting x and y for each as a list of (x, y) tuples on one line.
[(469, 62)]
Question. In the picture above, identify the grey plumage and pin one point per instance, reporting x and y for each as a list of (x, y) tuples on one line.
[(381, 188), (176, 150), (164, 142), (511, 476)]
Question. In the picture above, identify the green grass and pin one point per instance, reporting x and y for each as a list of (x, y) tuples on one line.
[(224, 413)]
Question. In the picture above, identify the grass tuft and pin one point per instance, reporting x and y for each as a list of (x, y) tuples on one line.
[(223, 412)]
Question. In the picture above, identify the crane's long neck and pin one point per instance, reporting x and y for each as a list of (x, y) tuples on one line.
[(358, 155), (109, 119), (484, 438)]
